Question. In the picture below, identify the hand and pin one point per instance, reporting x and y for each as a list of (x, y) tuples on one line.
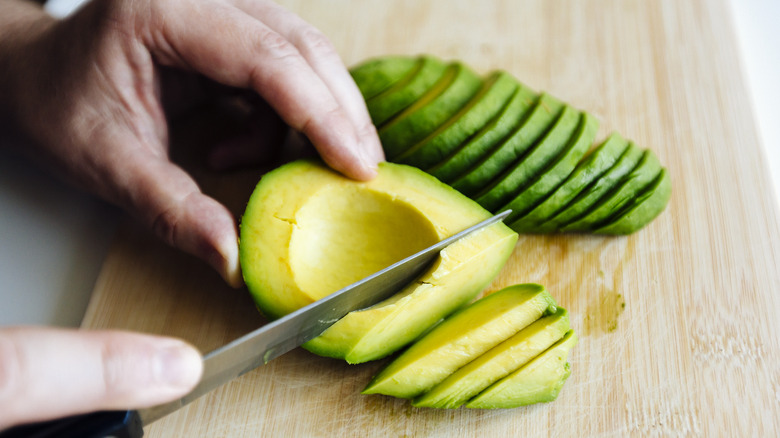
[(87, 92), (51, 373)]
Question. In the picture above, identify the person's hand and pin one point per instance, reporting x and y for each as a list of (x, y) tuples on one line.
[(51, 373), (88, 93)]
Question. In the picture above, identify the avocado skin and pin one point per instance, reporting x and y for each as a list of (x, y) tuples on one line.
[(492, 148), (469, 155), (590, 169), (495, 93)]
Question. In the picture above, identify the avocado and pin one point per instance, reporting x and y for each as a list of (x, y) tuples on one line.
[(587, 171), (491, 135), (599, 188), (641, 209), (557, 171), (532, 163), (460, 339), (377, 75), (484, 174), (496, 91), (308, 231), (539, 381), (628, 188), (444, 99), (403, 93), (497, 363)]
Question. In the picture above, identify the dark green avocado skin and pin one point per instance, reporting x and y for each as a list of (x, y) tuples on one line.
[(507, 146)]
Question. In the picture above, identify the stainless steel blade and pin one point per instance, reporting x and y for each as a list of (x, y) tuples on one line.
[(282, 335)]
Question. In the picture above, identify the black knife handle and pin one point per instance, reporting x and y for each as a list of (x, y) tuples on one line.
[(119, 424)]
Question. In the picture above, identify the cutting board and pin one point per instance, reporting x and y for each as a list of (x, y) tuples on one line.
[(677, 323)]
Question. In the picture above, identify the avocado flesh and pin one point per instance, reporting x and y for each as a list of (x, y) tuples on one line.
[(586, 199), (496, 91), (556, 172), (460, 339), (377, 75), (488, 138), (453, 91), (393, 100), (531, 164), (642, 209), (538, 381), (590, 169), (497, 363), (629, 188), (538, 122), (309, 231)]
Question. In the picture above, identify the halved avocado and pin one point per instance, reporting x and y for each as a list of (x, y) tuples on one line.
[(628, 188), (460, 339), (594, 192), (532, 163), (539, 381), (531, 129), (555, 172), (496, 91), (590, 169), (497, 363), (400, 95), (444, 99), (377, 75), (493, 134), (308, 231), (641, 209)]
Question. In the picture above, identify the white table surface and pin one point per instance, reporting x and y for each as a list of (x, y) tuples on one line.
[(53, 239)]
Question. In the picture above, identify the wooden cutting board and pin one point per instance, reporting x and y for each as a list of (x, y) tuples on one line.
[(677, 323)]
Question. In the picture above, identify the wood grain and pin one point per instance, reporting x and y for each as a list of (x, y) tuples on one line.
[(677, 322)]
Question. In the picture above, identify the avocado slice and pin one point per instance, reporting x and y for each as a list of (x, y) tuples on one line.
[(532, 163), (460, 339), (444, 99), (591, 195), (538, 122), (496, 91), (308, 231), (377, 75), (403, 93), (628, 188), (557, 171), (538, 381), (497, 363), (642, 209), (590, 169), (494, 133)]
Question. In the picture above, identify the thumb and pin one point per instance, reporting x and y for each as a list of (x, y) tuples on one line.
[(49, 373)]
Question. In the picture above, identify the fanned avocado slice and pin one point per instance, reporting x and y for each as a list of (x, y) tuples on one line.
[(496, 363), (377, 75), (393, 100), (599, 188), (424, 116), (557, 171), (538, 381), (594, 165), (496, 91), (628, 188), (642, 209), (539, 121), (530, 164), (493, 134)]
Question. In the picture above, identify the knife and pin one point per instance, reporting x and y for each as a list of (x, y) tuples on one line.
[(253, 349)]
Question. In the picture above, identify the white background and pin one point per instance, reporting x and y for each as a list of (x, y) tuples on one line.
[(53, 239)]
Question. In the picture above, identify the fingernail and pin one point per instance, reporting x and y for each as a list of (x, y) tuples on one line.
[(179, 365)]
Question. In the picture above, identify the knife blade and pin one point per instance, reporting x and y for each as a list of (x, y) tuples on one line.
[(255, 348)]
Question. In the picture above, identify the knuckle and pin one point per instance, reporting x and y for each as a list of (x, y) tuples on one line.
[(315, 41), (165, 224), (10, 369), (277, 47)]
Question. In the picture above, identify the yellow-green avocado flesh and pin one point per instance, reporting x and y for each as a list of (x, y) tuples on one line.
[(309, 231)]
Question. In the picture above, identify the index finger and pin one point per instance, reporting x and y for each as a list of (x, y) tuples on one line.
[(232, 47)]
